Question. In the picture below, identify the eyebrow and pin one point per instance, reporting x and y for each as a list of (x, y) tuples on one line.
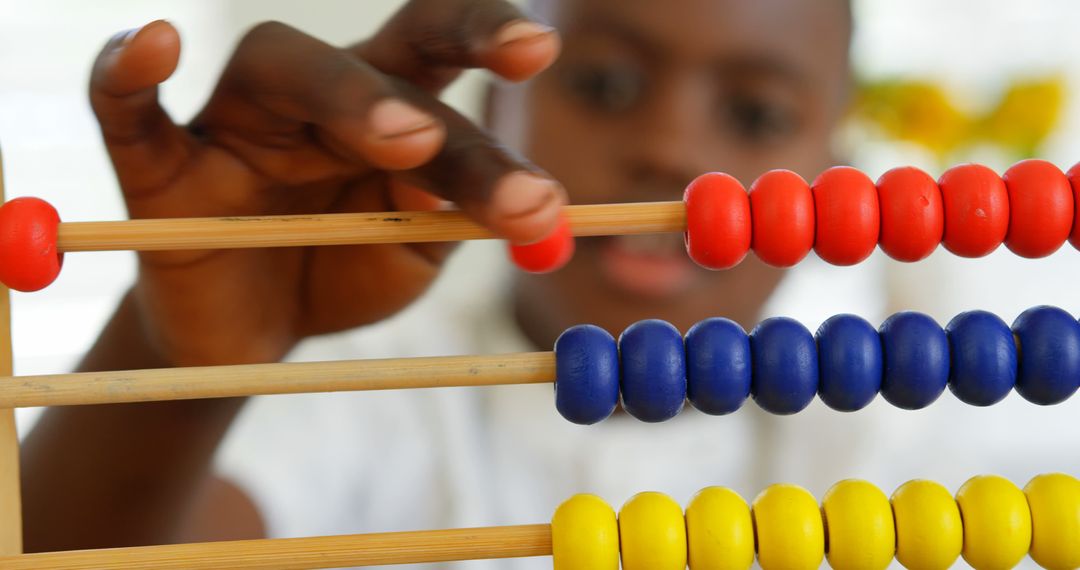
[(764, 65), (745, 63), (591, 25)]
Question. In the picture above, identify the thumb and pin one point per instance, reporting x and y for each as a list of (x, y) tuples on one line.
[(146, 147)]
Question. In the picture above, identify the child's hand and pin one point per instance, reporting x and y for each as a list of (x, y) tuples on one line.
[(298, 126)]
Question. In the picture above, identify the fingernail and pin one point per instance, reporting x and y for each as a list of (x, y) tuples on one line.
[(522, 193), (552, 252), (122, 39), (519, 30), (393, 118)]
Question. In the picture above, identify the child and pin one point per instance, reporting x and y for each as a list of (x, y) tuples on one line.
[(638, 103)]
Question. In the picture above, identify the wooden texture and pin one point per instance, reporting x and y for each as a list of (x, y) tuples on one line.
[(10, 494), (341, 229), (279, 378), (316, 552)]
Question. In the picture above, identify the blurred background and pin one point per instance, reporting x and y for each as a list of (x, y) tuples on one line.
[(939, 83)]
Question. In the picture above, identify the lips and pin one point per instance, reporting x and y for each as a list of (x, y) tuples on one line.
[(652, 266)]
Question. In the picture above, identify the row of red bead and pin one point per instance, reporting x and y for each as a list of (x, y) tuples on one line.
[(843, 214)]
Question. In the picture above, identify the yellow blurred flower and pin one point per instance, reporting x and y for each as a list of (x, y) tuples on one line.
[(913, 111), (1026, 115), (923, 113)]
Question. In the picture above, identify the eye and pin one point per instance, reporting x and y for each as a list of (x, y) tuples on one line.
[(605, 88), (758, 120)]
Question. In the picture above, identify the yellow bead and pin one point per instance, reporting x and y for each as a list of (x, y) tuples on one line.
[(720, 530), (585, 535), (653, 533), (859, 520), (997, 522), (929, 531), (790, 533), (1055, 520)]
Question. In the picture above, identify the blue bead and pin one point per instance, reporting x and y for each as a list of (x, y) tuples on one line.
[(850, 362), (1049, 347), (785, 366), (916, 354), (983, 358), (586, 374), (653, 370), (717, 366)]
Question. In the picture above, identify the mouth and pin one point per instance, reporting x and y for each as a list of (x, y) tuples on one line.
[(652, 266)]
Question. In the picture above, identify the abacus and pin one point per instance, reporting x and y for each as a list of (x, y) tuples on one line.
[(653, 369)]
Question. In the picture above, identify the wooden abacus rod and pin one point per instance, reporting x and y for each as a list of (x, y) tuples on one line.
[(316, 552), (10, 495), (343, 229), (192, 383)]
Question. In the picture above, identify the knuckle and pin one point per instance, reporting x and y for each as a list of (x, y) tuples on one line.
[(469, 162), (454, 36), (441, 31), (263, 32), (346, 84)]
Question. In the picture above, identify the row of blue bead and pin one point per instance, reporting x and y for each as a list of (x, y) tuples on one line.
[(910, 360)]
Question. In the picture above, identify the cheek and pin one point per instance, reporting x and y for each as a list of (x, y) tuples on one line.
[(808, 153), (815, 151), (572, 146), (811, 152)]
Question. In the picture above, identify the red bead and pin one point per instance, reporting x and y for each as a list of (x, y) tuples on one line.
[(1074, 180), (848, 218), (912, 214), (717, 221), (29, 260), (976, 210), (782, 209), (548, 254), (1040, 208)]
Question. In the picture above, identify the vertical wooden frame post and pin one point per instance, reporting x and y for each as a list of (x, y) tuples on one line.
[(10, 497)]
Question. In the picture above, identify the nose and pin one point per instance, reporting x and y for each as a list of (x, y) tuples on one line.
[(672, 141)]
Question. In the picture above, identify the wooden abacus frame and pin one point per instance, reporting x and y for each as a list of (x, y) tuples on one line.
[(246, 380), (10, 492)]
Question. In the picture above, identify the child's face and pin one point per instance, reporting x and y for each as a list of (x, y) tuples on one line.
[(646, 96)]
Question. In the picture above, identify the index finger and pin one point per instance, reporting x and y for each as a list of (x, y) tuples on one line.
[(429, 42), (282, 82)]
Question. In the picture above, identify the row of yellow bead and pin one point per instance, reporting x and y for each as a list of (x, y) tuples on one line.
[(991, 522)]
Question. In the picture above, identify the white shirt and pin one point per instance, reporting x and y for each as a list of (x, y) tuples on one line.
[(341, 463)]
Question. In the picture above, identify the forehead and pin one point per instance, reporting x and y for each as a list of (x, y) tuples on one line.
[(804, 33)]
